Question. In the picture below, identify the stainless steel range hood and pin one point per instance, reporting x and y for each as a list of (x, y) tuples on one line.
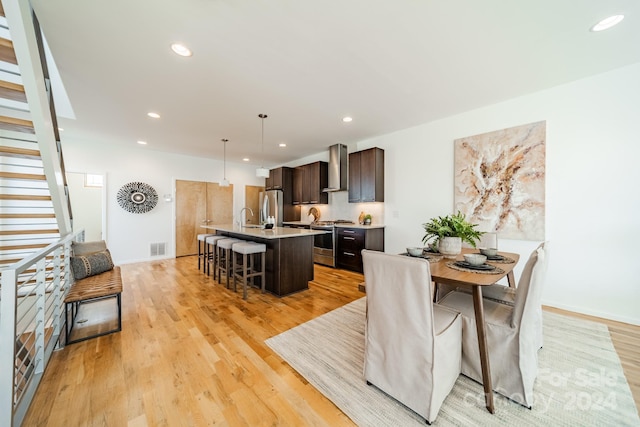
[(337, 168)]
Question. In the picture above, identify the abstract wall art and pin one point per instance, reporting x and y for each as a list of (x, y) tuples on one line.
[(500, 181)]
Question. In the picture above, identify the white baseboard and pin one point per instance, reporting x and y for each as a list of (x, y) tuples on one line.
[(604, 315)]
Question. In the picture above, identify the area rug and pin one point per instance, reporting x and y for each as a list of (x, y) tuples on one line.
[(580, 380)]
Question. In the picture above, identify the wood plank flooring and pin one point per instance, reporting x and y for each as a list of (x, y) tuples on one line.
[(192, 353)]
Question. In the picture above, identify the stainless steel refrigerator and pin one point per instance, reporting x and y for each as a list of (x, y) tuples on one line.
[(271, 204)]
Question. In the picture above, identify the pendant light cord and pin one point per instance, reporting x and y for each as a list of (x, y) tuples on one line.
[(262, 116), (224, 165)]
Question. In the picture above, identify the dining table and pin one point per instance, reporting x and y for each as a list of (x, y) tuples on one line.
[(442, 272)]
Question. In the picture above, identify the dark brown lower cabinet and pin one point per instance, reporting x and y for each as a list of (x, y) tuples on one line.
[(351, 241)]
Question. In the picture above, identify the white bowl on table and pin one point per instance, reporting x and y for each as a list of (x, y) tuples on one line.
[(414, 251), (475, 259), (489, 251)]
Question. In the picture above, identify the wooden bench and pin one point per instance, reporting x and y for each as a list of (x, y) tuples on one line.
[(91, 289)]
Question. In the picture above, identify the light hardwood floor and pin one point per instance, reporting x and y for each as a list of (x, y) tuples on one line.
[(192, 353)]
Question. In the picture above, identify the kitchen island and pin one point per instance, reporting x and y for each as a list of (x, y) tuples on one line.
[(289, 256)]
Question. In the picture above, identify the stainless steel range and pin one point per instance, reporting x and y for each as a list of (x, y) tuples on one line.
[(324, 245)]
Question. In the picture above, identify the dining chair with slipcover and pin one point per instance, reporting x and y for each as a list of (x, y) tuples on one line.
[(512, 333), (412, 347), (487, 240)]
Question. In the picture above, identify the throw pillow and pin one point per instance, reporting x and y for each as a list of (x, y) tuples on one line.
[(86, 248), (92, 264)]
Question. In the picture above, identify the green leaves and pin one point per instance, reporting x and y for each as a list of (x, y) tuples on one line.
[(451, 226)]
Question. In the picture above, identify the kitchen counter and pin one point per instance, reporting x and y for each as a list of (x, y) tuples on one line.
[(289, 256), (366, 227), (297, 223), (261, 233), (339, 225)]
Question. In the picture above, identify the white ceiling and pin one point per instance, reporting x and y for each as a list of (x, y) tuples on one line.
[(388, 64)]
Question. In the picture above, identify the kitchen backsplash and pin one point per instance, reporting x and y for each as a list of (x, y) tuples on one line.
[(340, 208)]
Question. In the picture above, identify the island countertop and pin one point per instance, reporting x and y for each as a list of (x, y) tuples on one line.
[(261, 233), (288, 258)]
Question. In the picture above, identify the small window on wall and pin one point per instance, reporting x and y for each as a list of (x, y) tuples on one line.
[(91, 180)]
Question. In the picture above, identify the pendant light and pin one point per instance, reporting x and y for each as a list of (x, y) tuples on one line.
[(261, 172), (225, 181)]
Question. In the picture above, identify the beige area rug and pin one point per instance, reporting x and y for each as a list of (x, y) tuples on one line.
[(580, 380)]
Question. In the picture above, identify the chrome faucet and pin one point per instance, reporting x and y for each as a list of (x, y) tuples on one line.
[(242, 210)]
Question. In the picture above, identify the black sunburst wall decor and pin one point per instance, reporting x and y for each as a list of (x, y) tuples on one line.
[(137, 197)]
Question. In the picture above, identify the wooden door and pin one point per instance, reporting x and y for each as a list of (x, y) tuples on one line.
[(219, 204), (199, 203), (252, 201), (191, 212)]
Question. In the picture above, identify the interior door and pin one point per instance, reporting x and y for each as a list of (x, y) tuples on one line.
[(219, 205), (199, 203), (252, 201), (191, 212)]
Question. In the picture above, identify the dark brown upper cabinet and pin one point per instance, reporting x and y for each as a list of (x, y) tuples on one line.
[(366, 176), (308, 182), (279, 179)]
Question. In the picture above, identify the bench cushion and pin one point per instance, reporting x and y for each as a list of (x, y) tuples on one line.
[(86, 248), (101, 285), (92, 264)]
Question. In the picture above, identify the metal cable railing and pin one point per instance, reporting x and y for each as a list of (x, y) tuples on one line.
[(32, 321)]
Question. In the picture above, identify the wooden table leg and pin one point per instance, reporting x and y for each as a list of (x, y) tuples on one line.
[(511, 279), (482, 344)]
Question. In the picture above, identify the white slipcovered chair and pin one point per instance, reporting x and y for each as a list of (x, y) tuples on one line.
[(487, 240), (412, 348), (512, 333)]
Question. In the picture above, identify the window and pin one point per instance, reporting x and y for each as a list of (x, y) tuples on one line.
[(91, 180)]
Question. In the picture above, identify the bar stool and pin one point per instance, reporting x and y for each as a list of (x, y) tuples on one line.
[(210, 252), (224, 256), (202, 249), (249, 251)]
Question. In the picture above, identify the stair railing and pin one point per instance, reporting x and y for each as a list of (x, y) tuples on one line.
[(32, 322)]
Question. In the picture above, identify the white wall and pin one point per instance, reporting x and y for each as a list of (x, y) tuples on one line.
[(129, 235), (592, 194), (86, 205)]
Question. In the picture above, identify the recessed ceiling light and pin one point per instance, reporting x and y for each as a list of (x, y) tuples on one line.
[(142, 142), (282, 144), (181, 49), (607, 23), (347, 119), (61, 130), (246, 159), (153, 115)]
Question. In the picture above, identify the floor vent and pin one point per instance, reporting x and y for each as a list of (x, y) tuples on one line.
[(157, 249)]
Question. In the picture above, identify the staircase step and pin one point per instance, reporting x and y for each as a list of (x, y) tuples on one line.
[(26, 215), (23, 197), (25, 176), (22, 247), (20, 232), (22, 153), (12, 91), (16, 125), (7, 54)]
